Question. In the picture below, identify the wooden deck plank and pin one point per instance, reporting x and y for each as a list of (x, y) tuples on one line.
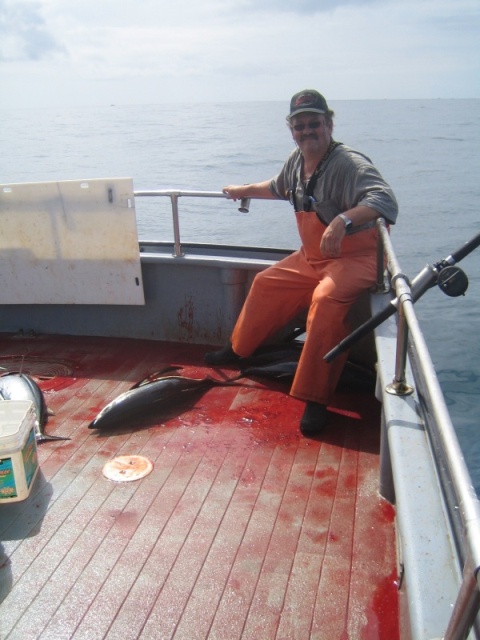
[(169, 541), (272, 587), (69, 481), (189, 562), (244, 529), (135, 554), (69, 515), (116, 503), (87, 587), (237, 598), (198, 614)]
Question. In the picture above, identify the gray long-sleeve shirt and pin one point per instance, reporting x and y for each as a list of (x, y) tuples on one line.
[(346, 179)]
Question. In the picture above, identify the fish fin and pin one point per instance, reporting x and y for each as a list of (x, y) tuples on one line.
[(152, 377)]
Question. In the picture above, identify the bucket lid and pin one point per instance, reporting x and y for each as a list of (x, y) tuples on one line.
[(127, 468), (12, 417)]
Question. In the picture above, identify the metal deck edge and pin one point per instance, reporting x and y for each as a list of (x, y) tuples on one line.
[(429, 570)]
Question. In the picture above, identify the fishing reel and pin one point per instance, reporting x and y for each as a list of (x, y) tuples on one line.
[(452, 280)]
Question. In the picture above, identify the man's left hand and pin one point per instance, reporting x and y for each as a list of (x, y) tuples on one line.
[(332, 238)]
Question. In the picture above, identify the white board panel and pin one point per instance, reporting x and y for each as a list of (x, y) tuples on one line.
[(70, 242)]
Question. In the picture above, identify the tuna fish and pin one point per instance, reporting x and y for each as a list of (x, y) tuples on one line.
[(20, 386), (151, 398)]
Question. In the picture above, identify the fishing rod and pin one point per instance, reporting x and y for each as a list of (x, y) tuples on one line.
[(450, 279)]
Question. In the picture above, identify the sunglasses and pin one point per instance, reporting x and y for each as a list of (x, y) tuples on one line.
[(311, 125)]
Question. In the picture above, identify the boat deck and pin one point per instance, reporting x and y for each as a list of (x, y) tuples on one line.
[(243, 529)]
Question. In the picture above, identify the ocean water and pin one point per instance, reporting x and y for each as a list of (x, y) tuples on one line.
[(428, 150)]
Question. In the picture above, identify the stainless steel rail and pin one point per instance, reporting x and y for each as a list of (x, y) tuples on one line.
[(174, 195), (442, 431)]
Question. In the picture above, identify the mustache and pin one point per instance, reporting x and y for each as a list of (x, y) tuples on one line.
[(309, 136)]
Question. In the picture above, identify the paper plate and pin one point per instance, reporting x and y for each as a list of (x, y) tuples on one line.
[(127, 468)]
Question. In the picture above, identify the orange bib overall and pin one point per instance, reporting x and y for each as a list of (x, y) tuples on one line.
[(326, 286)]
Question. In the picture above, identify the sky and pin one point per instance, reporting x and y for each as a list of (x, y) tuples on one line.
[(102, 52)]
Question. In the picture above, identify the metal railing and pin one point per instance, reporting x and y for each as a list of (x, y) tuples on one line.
[(442, 435), (174, 195)]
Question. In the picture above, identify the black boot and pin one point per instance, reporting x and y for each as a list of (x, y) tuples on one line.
[(313, 420), (224, 356)]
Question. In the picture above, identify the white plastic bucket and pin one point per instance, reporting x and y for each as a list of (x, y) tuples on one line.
[(18, 450)]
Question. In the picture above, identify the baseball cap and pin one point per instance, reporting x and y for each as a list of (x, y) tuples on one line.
[(307, 100)]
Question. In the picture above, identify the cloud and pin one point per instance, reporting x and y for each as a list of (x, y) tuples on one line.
[(105, 51), (23, 32), (308, 7)]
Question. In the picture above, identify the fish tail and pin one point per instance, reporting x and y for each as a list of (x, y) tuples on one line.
[(46, 437)]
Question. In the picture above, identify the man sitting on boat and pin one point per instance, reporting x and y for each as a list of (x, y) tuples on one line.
[(337, 195)]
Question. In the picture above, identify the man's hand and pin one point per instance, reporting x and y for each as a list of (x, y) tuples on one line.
[(332, 238), (235, 192)]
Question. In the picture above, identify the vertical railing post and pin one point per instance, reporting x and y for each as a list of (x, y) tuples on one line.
[(177, 249), (399, 386), (381, 286), (400, 282)]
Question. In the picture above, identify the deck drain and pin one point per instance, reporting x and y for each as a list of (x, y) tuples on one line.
[(36, 367), (127, 468)]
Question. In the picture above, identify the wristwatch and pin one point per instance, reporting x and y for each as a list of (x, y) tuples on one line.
[(346, 221)]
